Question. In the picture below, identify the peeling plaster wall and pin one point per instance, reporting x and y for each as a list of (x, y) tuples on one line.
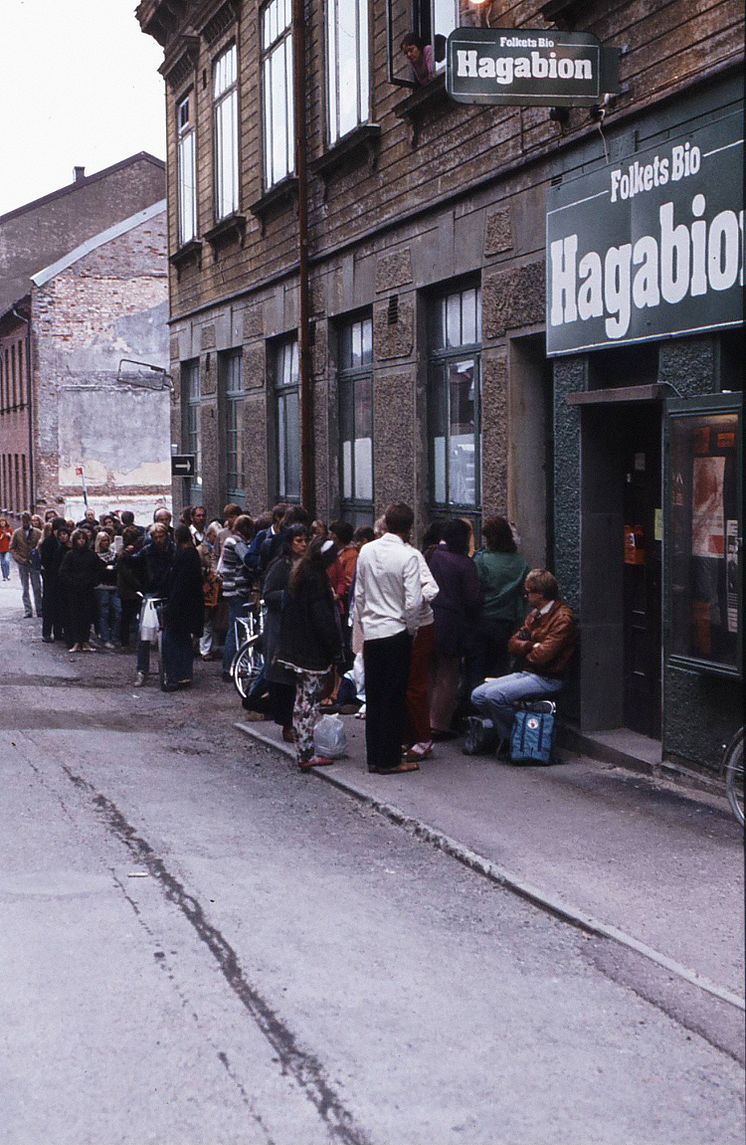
[(111, 304)]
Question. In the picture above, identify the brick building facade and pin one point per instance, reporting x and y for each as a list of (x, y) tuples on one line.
[(85, 286), (363, 317)]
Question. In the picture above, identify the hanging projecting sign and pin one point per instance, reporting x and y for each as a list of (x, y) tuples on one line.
[(529, 66), (650, 246)]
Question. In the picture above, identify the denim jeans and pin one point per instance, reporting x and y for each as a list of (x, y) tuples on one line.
[(30, 577), (494, 699), (235, 608), (108, 613), (5, 565)]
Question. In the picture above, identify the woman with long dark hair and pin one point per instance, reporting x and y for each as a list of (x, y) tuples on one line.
[(183, 612), (80, 572), (281, 681), (310, 642), (456, 610), (501, 570)]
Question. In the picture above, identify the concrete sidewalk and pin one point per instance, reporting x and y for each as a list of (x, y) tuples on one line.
[(653, 866)]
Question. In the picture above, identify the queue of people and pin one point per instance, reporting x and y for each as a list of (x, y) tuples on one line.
[(443, 639)]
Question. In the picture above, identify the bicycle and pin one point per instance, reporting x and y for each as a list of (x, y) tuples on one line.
[(248, 660), (732, 765)]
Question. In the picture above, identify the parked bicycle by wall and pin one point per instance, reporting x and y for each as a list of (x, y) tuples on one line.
[(732, 766)]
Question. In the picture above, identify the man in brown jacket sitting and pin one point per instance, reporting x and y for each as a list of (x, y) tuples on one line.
[(542, 647)]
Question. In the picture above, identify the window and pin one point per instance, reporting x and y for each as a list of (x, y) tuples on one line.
[(21, 377), (190, 391), (187, 171), (230, 376), (455, 337), (287, 420), (347, 66), (277, 92), (356, 421), (433, 21), (225, 113), (704, 481)]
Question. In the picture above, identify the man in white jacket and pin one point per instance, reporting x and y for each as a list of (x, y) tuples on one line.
[(388, 599)]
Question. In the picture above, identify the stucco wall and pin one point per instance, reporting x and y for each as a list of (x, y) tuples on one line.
[(111, 304)]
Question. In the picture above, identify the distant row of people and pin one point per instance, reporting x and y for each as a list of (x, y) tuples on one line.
[(432, 632)]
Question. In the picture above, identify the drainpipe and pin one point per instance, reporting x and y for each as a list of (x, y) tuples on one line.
[(308, 493), (31, 496)]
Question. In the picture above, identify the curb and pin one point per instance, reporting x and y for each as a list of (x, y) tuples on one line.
[(548, 903)]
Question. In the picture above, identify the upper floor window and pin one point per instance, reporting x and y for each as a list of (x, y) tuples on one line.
[(277, 92), (347, 66), (187, 170), (225, 112), (428, 23)]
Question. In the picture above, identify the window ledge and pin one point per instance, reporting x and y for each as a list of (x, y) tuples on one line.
[(228, 230), (275, 199), (190, 252), (422, 98), (358, 145), (421, 103)]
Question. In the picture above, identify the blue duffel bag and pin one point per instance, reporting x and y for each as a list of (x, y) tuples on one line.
[(532, 734)]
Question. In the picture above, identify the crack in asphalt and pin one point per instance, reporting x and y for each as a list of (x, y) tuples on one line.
[(166, 966), (306, 1069)]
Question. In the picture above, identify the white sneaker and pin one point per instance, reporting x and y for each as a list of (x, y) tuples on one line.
[(139, 680)]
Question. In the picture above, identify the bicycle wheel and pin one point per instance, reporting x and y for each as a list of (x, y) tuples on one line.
[(734, 775), (246, 666)]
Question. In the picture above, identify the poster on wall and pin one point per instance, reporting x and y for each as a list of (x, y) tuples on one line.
[(708, 530), (731, 560)]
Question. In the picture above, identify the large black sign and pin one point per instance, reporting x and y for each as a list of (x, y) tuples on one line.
[(528, 66), (649, 247)]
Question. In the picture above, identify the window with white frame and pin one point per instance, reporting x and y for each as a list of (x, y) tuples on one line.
[(192, 437), (187, 169), (225, 120), (432, 21), (453, 401), (230, 377), (286, 376), (355, 386), (277, 91), (347, 66)]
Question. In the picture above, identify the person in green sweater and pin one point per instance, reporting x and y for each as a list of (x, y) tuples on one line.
[(502, 571)]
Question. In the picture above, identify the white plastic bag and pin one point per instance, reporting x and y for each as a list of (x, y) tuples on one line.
[(149, 623), (329, 738)]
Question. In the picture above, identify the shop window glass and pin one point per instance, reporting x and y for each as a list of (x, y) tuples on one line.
[(287, 420), (191, 399), (231, 386), (453, 402), (704, 482), (355, 381)]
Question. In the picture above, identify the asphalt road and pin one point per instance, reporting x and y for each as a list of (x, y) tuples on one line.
[(202, 946)]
